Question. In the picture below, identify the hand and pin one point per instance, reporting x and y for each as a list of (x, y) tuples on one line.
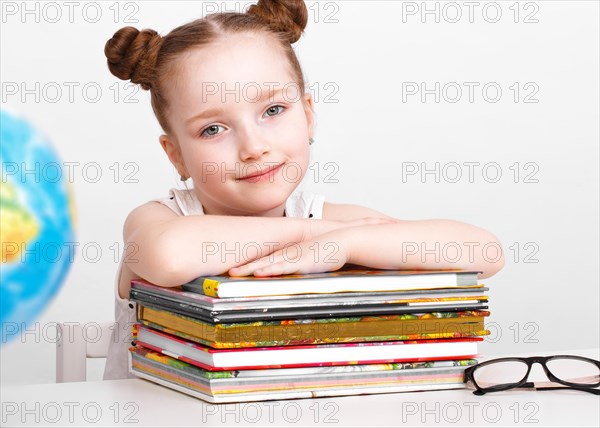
[(325, 254)]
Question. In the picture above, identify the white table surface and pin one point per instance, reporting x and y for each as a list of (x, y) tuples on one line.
[(136, 402)]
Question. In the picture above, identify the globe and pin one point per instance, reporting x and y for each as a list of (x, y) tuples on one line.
[(36, 224)]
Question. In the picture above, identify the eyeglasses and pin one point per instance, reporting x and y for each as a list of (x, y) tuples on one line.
[(564, 371)]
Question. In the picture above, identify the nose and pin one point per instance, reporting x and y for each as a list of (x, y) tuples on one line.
[(253, 148), (252, 145)]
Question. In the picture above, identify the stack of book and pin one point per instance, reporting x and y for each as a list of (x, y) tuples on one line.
[(353, 331)]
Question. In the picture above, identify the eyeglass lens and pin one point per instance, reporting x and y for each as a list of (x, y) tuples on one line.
[(500, 373), (574, 370)]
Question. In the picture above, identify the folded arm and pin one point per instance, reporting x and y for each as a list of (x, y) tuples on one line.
[(401, 244), (168, 250)]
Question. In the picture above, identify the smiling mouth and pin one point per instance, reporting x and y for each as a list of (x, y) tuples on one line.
[(266, 173)]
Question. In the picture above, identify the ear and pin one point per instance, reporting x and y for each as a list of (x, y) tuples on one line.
[(171, 148), (310, 113)]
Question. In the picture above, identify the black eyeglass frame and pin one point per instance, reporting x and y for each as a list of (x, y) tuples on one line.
[(587, 387)]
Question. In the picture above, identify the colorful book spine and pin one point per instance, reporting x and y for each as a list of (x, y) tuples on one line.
[(307, 355), (437, 325), (232, 386)]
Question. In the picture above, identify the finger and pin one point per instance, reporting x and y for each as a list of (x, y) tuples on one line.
[(243, 270), (249, 268), (280, 268), (238, 271)]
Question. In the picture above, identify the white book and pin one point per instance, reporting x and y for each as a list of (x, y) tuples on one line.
[(305, 355), (341, 281)]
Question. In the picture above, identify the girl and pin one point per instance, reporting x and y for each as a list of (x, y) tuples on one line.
[(228, 91)]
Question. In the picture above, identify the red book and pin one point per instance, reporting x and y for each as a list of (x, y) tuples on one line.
[(306, 355)]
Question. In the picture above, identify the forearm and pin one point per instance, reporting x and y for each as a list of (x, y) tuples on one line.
[(184, 248), (426, 244)]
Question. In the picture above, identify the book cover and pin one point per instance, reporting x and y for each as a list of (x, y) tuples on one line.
[(276, 384), (306, 355), (299, 300), (344, 280), (356, 308), (255, 385), (249, 309), (435, 325)]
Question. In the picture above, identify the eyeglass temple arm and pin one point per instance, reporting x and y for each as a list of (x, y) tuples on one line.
[(538, 387), (542, 388)]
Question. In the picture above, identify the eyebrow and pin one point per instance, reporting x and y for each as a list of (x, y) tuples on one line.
[(218, 110)]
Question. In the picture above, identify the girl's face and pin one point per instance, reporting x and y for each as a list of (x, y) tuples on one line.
[(240, 126)]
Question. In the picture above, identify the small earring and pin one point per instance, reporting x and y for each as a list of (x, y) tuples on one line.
[(311, 141), (182, 177)]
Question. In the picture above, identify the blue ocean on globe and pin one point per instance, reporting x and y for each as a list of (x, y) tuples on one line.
[(36, 224)]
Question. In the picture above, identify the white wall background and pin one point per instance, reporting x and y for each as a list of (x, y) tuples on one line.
[(359, 54)]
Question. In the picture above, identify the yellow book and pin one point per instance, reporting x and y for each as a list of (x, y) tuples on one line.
[(434, 325)]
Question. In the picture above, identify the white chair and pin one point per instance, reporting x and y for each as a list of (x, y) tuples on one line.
[(76, 343)]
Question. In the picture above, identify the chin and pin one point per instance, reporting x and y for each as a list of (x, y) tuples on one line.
[(269, 201)]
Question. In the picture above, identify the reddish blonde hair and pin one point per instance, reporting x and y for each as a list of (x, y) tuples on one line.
[(148, 59)]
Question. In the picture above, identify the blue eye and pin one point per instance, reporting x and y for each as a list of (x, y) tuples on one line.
[(275, 106), (213, 128)]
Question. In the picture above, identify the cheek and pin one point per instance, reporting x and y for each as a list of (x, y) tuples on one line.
[(299, 131), (202, 162), (302, 157)]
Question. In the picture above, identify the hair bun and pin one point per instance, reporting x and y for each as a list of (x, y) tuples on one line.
[(131, 55), (288, 17)]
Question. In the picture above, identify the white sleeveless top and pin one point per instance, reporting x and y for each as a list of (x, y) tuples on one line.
[(183, 202)]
